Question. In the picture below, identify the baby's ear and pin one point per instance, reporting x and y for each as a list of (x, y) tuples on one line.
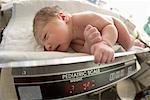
[(61, 15)]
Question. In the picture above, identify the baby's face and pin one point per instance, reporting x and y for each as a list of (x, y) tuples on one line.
[(55, 36)]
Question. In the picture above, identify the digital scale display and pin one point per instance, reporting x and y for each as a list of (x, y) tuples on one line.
[(84, 85), (66, 88)]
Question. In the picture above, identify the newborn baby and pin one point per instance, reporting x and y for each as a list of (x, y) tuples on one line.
[(85, 32)]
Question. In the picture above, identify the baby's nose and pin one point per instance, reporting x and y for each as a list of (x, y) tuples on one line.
[(47, 48)]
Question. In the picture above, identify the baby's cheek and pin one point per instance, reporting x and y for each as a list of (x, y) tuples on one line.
[(60, 39), (62, 48), (65, 38)]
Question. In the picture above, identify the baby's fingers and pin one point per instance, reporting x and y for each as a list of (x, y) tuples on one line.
[(111, 57), (88, 27), (90, 30), (98, 57), (94, 34), (105, 56), (96, 40)]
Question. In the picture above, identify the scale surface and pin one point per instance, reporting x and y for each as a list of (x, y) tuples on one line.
[(38, 76)]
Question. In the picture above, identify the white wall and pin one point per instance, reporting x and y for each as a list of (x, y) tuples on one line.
[(139, 9)]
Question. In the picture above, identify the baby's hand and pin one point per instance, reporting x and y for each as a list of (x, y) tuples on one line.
[(102, 52), (92, 35)]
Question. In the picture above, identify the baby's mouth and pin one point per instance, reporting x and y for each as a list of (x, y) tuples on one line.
[(45, 49), (62, 48), (57, 47)]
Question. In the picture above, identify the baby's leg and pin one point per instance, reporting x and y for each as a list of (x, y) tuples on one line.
[(124, 38)]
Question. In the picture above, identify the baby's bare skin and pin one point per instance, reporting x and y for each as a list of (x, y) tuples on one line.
[(81, 20), (86, 32), (103, 35)]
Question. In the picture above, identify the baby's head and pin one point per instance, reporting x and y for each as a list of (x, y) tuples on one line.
[(50, 28)]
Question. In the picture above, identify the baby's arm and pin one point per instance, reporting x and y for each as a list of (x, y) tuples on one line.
[(92, 36), (110, 34), (124, 38), (100, 48)]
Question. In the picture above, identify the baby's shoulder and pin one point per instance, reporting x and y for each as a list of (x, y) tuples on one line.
[(85, 13), (92, 14)]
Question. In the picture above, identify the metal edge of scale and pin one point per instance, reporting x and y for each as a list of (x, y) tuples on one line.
[(60, 61), (66, 65), (72, 76), (52, 70)]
